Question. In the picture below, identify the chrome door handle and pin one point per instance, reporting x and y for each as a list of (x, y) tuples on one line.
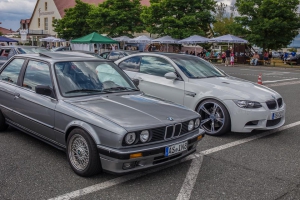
[(17, 95)]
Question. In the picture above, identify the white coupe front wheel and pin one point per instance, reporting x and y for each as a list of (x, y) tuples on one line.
[(215, 117)]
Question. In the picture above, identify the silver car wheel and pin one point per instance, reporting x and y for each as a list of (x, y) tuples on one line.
[(213, 117), (78, 152)]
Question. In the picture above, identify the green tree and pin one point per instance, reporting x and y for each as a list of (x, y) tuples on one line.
[(74, 23), (179, 19), (117, 17), (223, 26), (270, 24)]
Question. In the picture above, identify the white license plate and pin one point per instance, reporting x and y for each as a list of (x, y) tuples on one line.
[(277, 115), (176, 148)]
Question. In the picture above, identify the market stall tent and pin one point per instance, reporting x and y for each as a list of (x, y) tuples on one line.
[(5, 39), (85, 42)]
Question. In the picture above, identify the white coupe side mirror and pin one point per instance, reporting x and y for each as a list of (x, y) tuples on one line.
[(171, 75)]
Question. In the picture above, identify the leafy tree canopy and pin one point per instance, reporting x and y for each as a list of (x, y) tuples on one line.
[(270, 24), (74, 23), (178, 18), (117, 17)]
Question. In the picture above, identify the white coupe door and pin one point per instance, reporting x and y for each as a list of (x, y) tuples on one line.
[(153, 83)]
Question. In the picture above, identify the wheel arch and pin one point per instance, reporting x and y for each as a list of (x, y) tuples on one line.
[(84, 126)]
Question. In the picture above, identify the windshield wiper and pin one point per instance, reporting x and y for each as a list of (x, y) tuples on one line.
[(83, 90), (121, 88)]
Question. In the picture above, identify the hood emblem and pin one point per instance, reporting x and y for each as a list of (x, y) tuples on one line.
[(170, 119)]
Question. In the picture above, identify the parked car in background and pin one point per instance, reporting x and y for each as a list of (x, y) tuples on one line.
[(117, 54), (91, 109), (225, 103), (6, 52), (293, 60), (64, 48)]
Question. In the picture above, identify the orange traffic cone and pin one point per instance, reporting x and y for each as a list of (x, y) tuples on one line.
[(259, 81)]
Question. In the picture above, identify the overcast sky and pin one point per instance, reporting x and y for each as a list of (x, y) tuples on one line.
[(12, 11)]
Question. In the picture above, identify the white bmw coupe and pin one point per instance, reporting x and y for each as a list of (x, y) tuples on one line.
[(225, 103)]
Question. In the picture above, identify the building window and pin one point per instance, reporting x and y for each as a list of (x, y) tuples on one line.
[(39, 22), (46, 23), (53, 18), (46, 6)]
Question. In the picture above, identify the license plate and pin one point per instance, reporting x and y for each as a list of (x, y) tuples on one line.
[(176, 148), (277, 115)]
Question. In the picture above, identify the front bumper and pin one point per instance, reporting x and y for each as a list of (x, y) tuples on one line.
[(112, 160), (241, 116)]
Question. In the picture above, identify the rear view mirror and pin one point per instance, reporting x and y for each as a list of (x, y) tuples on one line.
[(45, 90), (171, 75), (136, 82)]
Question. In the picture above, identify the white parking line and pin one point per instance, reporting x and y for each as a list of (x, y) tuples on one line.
[(186, 189), (282, 84), (281, 80)]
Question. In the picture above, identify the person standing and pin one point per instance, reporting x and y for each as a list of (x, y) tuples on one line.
[(266, 57), (223, 57), (227, 60), (232, 59)]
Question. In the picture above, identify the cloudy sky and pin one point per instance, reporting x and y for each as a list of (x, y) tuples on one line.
[(12, 11)]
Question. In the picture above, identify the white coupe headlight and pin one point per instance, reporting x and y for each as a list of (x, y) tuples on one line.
[(197, 123), (247, 104), (130, 138), (191, 125), (144, 136)]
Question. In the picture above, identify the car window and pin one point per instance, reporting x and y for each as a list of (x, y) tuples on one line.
[(131, 64), (155, 66), (37, 73), (114, 55), (11, 53), (12, 71), (104, 55), (5, 52)]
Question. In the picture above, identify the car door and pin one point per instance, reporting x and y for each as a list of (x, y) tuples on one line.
[(9, 76), (37, 110), (152, 81)]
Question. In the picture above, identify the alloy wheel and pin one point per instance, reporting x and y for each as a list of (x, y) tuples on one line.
[(78, 152)]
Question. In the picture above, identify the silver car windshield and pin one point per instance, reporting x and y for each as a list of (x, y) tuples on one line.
[(194, 67), (90, 78)]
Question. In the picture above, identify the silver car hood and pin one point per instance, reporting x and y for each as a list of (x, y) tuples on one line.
[(135, 112), (246, 90)]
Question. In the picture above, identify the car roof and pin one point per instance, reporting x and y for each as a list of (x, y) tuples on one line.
[(170, 55), (55, 57)]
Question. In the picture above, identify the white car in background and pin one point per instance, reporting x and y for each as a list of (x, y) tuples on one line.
[(225, 103)]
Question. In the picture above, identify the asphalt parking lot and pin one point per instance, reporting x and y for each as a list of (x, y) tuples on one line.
[(258, 165)]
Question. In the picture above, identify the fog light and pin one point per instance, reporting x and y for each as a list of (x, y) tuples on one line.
[(199, 137), (129, 165), (135, 155)]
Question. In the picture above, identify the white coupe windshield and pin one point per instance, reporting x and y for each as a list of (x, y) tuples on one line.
[(194, 67), (88, 78)]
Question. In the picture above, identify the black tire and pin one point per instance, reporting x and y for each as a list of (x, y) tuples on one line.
[(3, 125), (214, 119), (93, 165)]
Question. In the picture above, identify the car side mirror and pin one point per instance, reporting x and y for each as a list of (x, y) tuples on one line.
[(136, 82), (171, 75), (45, 90)]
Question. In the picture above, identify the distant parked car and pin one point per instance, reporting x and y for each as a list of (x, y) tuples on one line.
[(117, 54), (91, 109), (293, 60), (6, 52)]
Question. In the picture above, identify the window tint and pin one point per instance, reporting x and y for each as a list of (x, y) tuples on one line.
[(114, 55), (12, 71), (155, 66), (37, 73), (131, 64), (104, 55)]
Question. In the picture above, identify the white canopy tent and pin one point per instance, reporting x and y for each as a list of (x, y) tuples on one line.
[(228, 39), (166, 40), (141, 39), (122, 39), (194, 39), (48, 39)]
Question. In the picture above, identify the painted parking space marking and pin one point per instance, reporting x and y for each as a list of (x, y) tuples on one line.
[(189, 181), (283, 84), (290, 79)]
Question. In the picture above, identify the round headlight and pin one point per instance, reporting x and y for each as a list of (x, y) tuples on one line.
[(144, 136), (130, 138), (197, 123), (191, 125)]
